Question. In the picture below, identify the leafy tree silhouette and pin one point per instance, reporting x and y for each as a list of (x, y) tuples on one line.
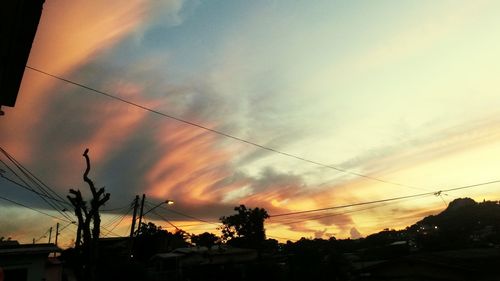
[(152, 239), (205, 239), (246, 228)]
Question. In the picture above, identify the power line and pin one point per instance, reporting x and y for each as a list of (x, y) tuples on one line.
[(120, 221), (29, 189), (310, 216), (59, 231), (43, 235), (351, 205), (437, 193), (66, 226), (110, 231), (165, 219), (227, 135), (31, 175), (186, 215), (467, 186), (203, 227), (182, 214), (113, 220), (33, 209), (331, 215), (117, 217), (56, 206)]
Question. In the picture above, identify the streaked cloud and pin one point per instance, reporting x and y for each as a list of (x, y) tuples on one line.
[(371, 88)]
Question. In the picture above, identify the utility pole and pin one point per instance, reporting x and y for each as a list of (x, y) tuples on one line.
[(57, 232), (134, 216), (132, 228), (50, 234), (142, 209)]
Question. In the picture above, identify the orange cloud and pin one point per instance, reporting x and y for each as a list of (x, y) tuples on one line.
[(69, 34), (113, 123), (190, 165)]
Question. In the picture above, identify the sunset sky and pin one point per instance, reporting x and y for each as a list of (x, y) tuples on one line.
[(406, 92)]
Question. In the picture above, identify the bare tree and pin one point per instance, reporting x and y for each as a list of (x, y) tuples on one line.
[(88, 248)]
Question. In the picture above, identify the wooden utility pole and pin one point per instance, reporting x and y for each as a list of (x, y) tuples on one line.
[(57, 235), (132, 227), (141, 212), (50, 234), (57, 232), (134, 216)]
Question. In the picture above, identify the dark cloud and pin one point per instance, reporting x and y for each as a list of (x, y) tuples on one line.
[(270, 179), (301, 228), (123, 171), (340, 220)]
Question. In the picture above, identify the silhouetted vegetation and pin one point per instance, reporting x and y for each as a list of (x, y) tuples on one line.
[(464, 224), (316, 259), (152, 239), (205, 239), (246, 228)]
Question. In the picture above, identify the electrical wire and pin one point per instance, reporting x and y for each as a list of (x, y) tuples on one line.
[(112, 221), (165, 219), (437, 193), (119, 222), (117, 217), (184, 215), (308, 217), (66, 226), (43, 235), (386, 201), (227, 135), (55, 205), (110, 231), (33, 209), (150, 204), (332, 215), (31, 190), (37, 180)]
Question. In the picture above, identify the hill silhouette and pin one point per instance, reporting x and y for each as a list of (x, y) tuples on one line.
[(463, 224)]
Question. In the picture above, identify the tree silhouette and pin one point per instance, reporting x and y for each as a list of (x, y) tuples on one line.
[(152, 239), (88, 249), (246, 228), (205, 239), (316, 259)]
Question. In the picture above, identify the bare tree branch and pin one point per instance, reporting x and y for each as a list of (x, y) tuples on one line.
[(86, 174)]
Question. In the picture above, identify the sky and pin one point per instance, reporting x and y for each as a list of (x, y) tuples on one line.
[(404, 93)]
